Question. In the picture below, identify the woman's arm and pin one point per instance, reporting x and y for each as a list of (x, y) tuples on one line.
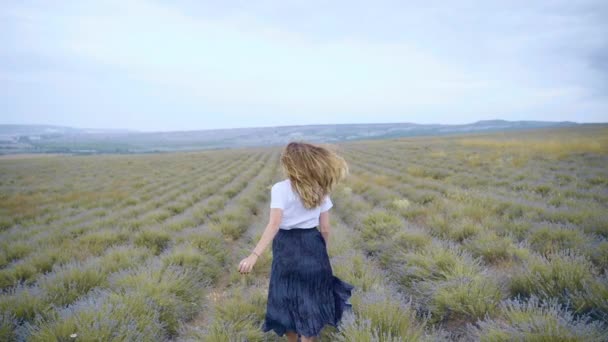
[(324, 226), (271, 230)]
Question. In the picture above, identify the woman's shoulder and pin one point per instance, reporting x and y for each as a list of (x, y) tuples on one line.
[(281, 184)]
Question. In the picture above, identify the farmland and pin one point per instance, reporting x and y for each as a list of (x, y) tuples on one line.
[(490, 237)]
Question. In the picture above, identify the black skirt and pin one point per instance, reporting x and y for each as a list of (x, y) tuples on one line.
[(303, 293)]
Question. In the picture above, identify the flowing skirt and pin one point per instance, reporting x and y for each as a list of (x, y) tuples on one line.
[(303, 293)]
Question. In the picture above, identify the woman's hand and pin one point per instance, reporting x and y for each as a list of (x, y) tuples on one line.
[(246, 264)]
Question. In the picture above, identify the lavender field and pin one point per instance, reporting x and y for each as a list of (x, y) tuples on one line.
[(493, 237)]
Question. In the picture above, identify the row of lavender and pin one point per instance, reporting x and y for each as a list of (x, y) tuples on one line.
[(138, 271), (484, 259)]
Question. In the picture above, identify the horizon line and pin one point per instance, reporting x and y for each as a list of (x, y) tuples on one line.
[(295, 125)]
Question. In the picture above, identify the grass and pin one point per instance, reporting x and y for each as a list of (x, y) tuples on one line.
[(465, 298), (377, 228), (236, 317), (493, 237), (559, 276), (556, 143), (379, 317), (547, 240), (155, 239), (105, 316), (71, 281), (202, 266), (538, 321), (174, 291), (491, 247)]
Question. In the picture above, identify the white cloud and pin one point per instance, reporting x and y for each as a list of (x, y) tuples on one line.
[(424, 62)]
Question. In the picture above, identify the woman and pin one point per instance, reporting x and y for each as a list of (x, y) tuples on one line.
[(303, 293)]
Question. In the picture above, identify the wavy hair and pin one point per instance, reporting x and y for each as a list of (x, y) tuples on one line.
[(313, 170)]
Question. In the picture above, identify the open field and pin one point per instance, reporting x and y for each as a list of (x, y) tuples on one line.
[(488, 237), (39, 139)]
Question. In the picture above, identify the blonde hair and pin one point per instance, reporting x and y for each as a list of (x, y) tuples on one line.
[(313, 170)]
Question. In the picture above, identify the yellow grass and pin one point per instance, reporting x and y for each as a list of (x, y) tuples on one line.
[(549, 143)]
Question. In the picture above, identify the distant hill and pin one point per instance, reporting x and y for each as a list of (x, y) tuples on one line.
[(59, 139), (49, 130)]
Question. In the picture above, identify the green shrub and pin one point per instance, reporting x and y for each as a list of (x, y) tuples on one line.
[(593, 298), (230, 229), (463, 230), (71, 281), (242, 307), (229, 331), (598, 253), (512, 211), (357, 270), (555, 239), (133, 225), (8, 324), (16, 250), (359, 186), (121, 257), (154, 239), (563, 179), (44, 259), (491, 247), (5, 223), (97, 242), (380, 317), (177, 208), (205, 268), (210, 244), (543, 190), (3, 260), (405, 241), (377, 196), (518, 229), (437, 263), (424, 197), (440, 224), (413, 212), (535, 320), (465, 298), (24, 303), (476, 211), (411, 240), (238, 214), (178, 226), (174, 290), (416, 171), (596, 223), (25, 272), (104, 316), (7, 278), (229, 193), (352, 209), (250, 205), (400, 204), (160, 215), (212, 206), (553, 276), (377, 228)]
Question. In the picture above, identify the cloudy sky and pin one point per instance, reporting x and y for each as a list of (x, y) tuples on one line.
[(189, 64)]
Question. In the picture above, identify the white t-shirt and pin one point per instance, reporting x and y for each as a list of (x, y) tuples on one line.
[(295, 215)]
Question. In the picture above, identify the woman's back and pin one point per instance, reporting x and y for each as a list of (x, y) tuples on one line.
[(295, 215)]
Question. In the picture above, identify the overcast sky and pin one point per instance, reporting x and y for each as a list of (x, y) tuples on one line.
[(175, 65)]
